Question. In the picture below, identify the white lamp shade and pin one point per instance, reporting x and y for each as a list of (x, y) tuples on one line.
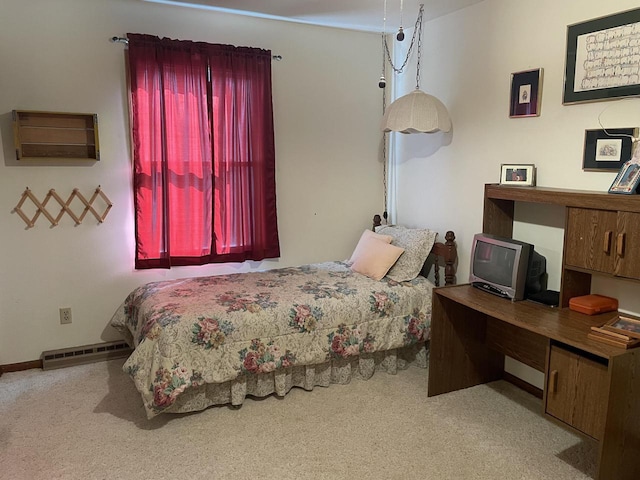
[(416, 112)]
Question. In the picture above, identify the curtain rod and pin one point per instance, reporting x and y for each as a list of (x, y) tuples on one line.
[(126, 42)]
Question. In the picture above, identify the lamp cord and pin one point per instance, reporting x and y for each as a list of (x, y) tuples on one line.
[(633, 139), (386, 55), (384, 137)]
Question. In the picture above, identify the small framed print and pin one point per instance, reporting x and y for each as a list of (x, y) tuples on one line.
[(626, 182), (518, 174), (526, 94), (607, 150)]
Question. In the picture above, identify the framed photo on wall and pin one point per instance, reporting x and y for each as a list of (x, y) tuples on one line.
[(600, 63), (518, 174), (526, 93), (607, 150)]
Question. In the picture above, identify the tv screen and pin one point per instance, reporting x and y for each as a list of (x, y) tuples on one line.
[(499, 265), (494, 263)]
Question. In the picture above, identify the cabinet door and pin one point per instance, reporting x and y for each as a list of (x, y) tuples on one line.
[(627, 245), (577, 391), (590, 238)]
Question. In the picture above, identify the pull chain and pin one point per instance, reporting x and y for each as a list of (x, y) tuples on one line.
[(413, 38)]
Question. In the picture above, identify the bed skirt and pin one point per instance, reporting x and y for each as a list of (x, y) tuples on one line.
[(280, 382)]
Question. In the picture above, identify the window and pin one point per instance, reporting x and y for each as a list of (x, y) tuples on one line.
[(203, 151)]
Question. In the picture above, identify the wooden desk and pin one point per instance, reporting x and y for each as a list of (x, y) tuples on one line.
[(590, 387)]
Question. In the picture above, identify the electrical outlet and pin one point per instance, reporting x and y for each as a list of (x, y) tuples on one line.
[(65, 315)]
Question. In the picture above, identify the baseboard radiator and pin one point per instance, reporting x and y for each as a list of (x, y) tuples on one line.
[(68, 357)]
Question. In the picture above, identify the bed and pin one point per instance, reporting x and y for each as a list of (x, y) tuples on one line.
[(215, 340)]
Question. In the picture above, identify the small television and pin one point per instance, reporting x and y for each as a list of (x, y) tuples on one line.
[(506, 267)]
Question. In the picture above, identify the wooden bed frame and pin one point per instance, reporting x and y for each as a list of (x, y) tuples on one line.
[(446, 252)]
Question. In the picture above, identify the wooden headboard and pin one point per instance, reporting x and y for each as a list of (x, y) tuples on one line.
[(442, 253)]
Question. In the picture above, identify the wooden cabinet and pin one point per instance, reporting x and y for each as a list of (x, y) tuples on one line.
[(577, 390), (603, 241), (53, 135)]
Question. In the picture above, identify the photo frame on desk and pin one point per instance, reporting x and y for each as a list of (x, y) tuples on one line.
[(607, 150), (589, 44), (518, 174), (625, 326), (627, 180)]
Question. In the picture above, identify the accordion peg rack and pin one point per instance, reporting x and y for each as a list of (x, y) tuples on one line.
[(65, 207)]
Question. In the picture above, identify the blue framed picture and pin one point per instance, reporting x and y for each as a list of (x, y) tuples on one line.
[(627, 180)]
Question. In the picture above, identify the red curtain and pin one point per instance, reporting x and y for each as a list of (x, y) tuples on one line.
[(204, 155)]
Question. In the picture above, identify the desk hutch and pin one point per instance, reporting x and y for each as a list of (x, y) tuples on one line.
[(590, 387)]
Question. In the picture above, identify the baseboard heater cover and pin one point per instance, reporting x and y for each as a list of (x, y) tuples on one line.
[(68, 357)]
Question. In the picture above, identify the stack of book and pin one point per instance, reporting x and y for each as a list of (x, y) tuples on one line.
[(620, 332)]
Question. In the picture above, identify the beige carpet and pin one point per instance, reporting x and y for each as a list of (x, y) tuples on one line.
[(87, 422)]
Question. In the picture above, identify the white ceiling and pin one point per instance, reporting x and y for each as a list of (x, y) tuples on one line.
[(364, 15)]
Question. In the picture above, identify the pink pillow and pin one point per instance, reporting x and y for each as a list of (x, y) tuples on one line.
[(374, 258), (363, 238)]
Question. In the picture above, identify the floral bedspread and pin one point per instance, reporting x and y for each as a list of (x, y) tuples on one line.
[(214, 329)]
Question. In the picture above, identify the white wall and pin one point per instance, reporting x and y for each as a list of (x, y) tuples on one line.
[(56, 56), (468, 60)]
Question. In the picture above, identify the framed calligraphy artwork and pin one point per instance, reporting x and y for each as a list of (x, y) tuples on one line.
[(603, 58)]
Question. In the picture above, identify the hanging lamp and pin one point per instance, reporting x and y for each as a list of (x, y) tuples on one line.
[(416, 112)]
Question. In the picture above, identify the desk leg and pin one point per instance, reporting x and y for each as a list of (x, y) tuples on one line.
[(458, 354)]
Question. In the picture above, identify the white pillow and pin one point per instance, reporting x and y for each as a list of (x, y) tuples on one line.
[(374, 257), (368, 234), (417, 244)]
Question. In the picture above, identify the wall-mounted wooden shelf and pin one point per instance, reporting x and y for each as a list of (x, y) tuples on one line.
[(54, 135)]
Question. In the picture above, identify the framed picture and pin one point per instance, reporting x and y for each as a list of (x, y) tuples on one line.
[(627, 179), (526, 94), (514, 174), (607, 150), (600, 63), (624, 325)]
